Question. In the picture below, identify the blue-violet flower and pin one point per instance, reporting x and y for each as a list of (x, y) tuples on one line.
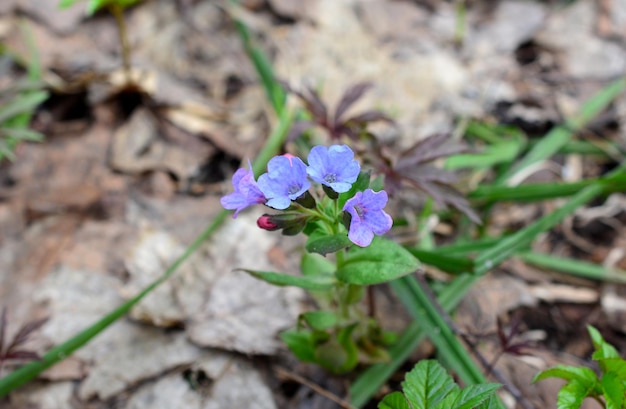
[(246, 193), (368, 216), (334, 167), (284, 181)]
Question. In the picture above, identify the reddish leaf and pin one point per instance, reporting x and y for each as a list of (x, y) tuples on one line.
[(3, 325), (369, 116), (26, 331), (21, 355), (350, 96)]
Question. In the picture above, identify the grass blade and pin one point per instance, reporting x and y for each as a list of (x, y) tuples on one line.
[(557, 138), (574, 267)]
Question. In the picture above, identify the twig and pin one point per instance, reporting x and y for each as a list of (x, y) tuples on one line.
[(285, 374), (517, 394)]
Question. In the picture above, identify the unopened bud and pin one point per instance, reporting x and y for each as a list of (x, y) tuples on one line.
[(266, 223), (290, 223)]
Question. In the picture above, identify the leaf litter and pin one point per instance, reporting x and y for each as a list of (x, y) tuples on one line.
[(88, 219)]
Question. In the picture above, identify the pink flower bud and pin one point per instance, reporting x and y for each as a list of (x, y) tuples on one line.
[(266, 223)]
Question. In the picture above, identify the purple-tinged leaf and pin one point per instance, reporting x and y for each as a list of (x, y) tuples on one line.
[(350, 96), (429, 149), (369, 116), (298, 128), (26, 331), (3, 325), (22, 355)]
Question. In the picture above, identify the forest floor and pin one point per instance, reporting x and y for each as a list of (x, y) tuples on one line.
[(127, 177)]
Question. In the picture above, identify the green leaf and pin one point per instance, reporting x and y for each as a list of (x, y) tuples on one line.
[(306, 282), (301, 343), (63, 4), (443, 261), (603, 349), (22, 104), (362, 182), (571, 396), (384, 260), (394, 400), (470, 396), (320, 320), (584, 376), (22, 134), (427, 384), (314, 264), (323, 244), (616, 366), (613, 390)]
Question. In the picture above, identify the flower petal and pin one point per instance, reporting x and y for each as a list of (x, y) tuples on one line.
[(360, 234)]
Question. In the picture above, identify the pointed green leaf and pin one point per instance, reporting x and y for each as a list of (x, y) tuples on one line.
[(613, 390), (427, 384), (583, 375), (616, 366), (323, 244), (571, 396), (603, 348), (306, 282), (394, 400), (471, 396), (384, 260)]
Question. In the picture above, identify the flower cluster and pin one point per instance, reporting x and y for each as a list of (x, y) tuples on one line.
[(287, 181)]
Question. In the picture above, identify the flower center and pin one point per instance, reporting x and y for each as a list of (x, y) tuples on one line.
[(293, 189), (330, 178)]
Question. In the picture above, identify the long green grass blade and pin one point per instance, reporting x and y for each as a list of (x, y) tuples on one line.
[(274, 91), (574, 267), (556, 139)]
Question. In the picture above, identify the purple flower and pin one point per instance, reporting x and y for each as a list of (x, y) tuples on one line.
[(284, 181), (368, 216), (333, 167), (246, 193)]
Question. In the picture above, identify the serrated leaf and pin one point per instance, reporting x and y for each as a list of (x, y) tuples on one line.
[(613, 390), (321, 282), (492, 402), (603, 348), (469, 397), (427, 384), (323, 244), (394, 400), (383, 260), (616, 366), (583, 375), (571, 396)]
